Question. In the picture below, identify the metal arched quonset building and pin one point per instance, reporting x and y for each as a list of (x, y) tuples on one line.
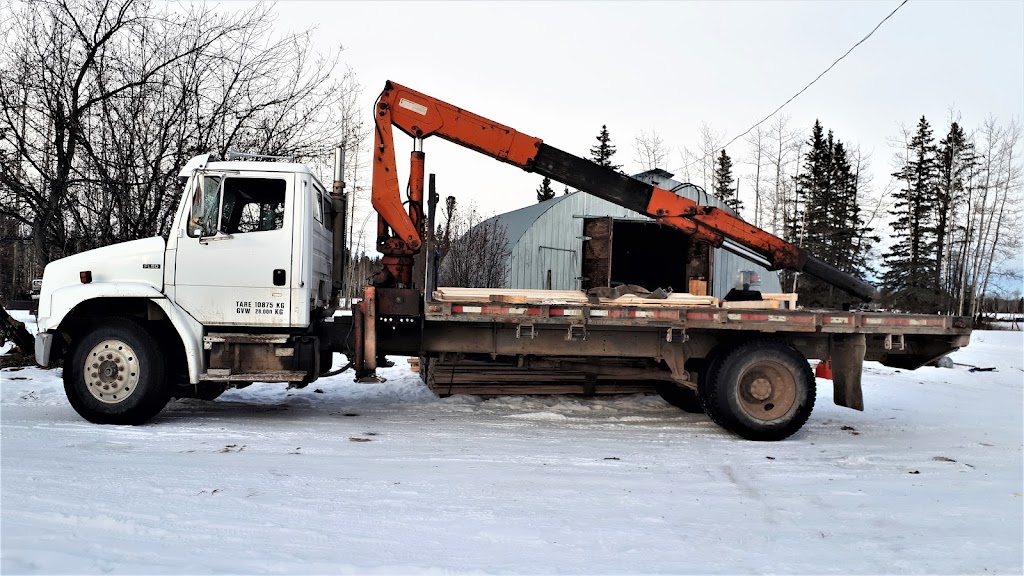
[(576, 241)]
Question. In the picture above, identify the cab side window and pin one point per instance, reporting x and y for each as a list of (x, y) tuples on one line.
[(328, 220), (248, 205), (202, 219), (318, 204), (253, 205), (324, 205)]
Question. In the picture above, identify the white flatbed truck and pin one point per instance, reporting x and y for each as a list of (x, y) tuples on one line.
[(245, 289)]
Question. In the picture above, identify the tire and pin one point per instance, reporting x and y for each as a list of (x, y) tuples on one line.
[(127, 386), (705, 382), (680, 397), (761, 390)]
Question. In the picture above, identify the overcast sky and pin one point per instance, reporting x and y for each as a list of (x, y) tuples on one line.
[(559, 70)]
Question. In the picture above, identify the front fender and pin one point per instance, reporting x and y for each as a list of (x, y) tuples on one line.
[(63, 300)]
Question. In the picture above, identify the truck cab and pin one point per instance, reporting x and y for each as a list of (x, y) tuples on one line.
[(231, 293), (250, 246)]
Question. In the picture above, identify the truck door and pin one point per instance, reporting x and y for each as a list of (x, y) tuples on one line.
[(234, 257)]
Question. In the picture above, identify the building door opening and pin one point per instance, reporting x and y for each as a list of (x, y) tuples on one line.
[(649, 255), (643, 253)]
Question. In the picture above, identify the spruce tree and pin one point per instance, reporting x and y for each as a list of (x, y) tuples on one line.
[(602, 153), (912, 259), (828, 222), (848, 251), (545, 192), (815, 223), (957, 162), (814, 187), (810, 179), (723, 183), (443, 236)]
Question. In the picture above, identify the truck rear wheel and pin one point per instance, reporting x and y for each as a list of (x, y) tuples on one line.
[(116, 375), (762, 390), (705, 382)]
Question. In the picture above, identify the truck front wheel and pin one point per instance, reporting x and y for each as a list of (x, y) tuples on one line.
[(762, 390), (116, 375)]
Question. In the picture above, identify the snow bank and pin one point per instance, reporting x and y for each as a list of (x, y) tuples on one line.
[(342, 477)]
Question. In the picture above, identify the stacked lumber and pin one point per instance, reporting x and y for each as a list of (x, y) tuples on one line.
[(753, 305), (788, 298), (465, 377), (769, 301), (555, 297), (674, 300), (504, 294)]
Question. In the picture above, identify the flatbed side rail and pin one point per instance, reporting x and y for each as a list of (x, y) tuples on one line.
[(703, 318)]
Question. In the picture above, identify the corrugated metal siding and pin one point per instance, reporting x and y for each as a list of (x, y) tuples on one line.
[(727, 265), (553, 240)]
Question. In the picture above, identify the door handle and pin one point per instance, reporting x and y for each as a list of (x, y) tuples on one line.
[(279, 277)]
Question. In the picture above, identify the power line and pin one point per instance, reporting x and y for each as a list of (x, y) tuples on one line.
[(802, 90)]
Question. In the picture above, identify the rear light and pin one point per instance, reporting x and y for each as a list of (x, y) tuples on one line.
[(85, 276), (755, 278)]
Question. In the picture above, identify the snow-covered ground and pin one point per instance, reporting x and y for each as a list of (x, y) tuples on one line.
[(355, 478)]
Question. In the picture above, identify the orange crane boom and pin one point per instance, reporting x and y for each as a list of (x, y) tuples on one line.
[(400, 230)]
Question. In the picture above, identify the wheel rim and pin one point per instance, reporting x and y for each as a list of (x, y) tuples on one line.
[(767, 391), (111, 371)]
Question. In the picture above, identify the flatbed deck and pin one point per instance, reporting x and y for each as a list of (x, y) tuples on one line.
[(676, 311), (536, 341)]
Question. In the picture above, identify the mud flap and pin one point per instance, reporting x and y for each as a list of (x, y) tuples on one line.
[(44, 343), (847, 366)]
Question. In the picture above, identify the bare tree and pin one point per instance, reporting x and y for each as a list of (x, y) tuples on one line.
[(872, 207), (477, 254), (758, 156), (699, 164), (102, 102), (62, 63), (781, 153), (999, 222), (354, 137), (651, 151), (18, 264)]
